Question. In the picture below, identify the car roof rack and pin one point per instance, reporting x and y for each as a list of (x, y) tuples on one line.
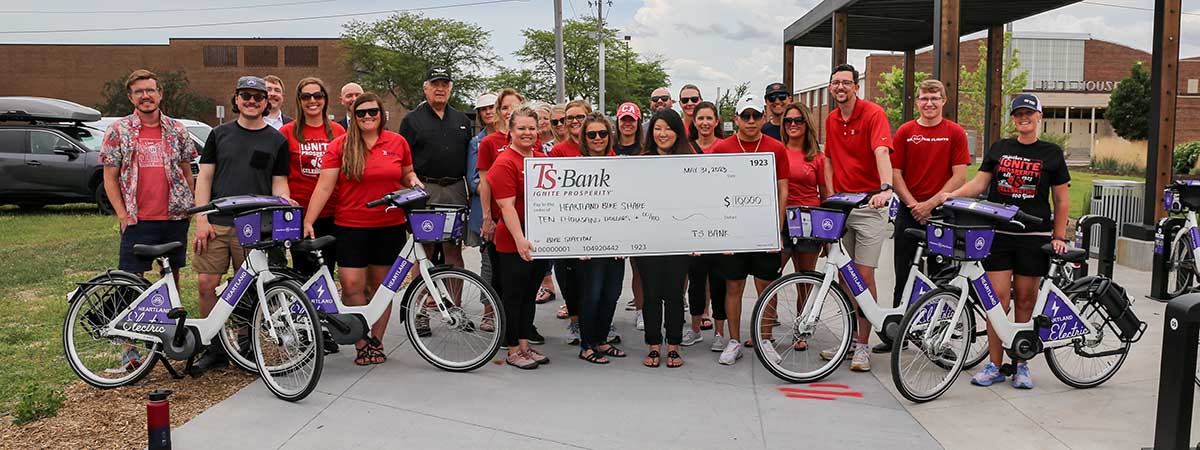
[(45, 110)]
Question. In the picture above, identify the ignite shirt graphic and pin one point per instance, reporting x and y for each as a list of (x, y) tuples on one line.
[(1018, 177), (311, 153), (1022, 175)]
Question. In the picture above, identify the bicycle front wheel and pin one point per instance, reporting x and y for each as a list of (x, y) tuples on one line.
[(470, 332), (978, 351), (288, 345), (932, 345), (1077, 367), (795, 346), (235, 335), (1182, 273), (100, 360)]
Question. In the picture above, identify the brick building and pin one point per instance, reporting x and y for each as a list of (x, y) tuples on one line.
[(1072, 74)]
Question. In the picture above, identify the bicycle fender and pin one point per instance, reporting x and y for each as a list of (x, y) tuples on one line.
[(101, 278)]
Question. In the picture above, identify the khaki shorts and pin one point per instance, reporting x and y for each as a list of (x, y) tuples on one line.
[(865, 232), (222, 250), (454, 194)]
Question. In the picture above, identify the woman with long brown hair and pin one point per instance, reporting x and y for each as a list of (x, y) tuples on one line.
[(308, 138), (704, 283)]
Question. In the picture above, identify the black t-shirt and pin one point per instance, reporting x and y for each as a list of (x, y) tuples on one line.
[(1022, 175), (439, 144), (245, 162), (771, 130), (627, 150)]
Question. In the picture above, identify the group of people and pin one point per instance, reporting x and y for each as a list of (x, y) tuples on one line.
[(332, 168)]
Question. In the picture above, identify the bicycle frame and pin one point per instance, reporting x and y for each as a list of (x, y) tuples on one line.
[(1192, 228), (837, 261)]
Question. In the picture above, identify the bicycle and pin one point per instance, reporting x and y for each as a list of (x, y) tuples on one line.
[(1183, 197), (462, 336), (1091, 318), (116, 317), (825, 316)]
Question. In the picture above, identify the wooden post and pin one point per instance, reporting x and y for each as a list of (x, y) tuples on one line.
[(1164, 79), (840, 19), (910, 64), (993, 114), (945, 52), (789, 66)]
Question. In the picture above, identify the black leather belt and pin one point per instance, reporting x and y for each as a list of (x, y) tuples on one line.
[(444, 181)]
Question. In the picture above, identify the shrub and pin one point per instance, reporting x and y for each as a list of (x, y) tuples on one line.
[(1184, 159), (38, 402), (1058, 139)]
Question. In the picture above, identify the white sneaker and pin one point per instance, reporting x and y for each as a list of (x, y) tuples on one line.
[(719, 343), (827, 354), (733, 351), (690, 338), (641, 322), (862, 359), (768, 350)]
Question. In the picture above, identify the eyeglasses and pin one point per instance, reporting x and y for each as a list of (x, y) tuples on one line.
[(777, 97), (928, 99), (602, 134), (141, 92), (660, 98), (557, 122), (846, 83), (750, 115), (246, 96), (575, 118), (686, 100), (798, 120), (360, 113), (306, 96)]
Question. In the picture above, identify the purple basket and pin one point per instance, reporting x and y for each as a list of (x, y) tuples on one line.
[(958, 242), (261, 227), (438, 224), (819, 224)]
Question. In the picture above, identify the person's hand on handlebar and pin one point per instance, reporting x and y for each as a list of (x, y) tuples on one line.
[(880, 200), (308, 231), (922, 211)]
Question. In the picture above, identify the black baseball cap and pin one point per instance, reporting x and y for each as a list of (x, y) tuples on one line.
[(251, 82), (1027, 101), (777, 88), (438, 73)]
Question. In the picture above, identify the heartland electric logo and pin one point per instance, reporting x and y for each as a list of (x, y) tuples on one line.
[(247, 231), (917, 139), (827, 224), (427, 226), (157, 300), (979, 243), (548, 178)]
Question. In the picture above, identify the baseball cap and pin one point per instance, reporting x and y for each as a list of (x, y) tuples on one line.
[(1029, 101), (750, 101), (629, 109), (776, 88), (438, 73), (485, 100), (251, 82)]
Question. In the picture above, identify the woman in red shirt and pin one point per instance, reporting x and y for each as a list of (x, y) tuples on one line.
[(518, 273), (363, 165), (704, 283), (577, 112), (307, 140)]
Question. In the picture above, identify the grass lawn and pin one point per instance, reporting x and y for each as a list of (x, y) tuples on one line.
[(1080, 187)]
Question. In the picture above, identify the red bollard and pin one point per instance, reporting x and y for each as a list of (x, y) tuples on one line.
[(158, 420)]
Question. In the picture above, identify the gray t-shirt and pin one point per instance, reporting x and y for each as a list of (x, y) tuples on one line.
[(245, 162)]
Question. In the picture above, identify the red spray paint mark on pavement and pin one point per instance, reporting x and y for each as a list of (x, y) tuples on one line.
[(828, 392)]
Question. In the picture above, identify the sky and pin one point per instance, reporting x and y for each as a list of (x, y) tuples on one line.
[(714, 44)]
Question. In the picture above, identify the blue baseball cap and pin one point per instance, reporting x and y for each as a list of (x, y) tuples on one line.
[(1027, 101)]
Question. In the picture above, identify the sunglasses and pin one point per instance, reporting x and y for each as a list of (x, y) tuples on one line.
[(799, 120), (306, 96), (557, 122), (360, 113), (686, 100), (246, 96), (751, 115), (597, 134), (777, 97), (660, 98), (575, 118)]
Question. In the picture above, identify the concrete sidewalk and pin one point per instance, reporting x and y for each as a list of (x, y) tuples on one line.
[(406, 403)]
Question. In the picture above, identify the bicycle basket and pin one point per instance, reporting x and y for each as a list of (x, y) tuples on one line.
[(438, 223), (1182, 195), (817, 224), (960, 242), (268, 225)]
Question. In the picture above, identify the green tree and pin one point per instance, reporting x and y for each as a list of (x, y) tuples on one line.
[(178, 98), (728, 100), (629, 77), (972, 88), (891, 93), (391, 56), (1129, 105), (524, 81)]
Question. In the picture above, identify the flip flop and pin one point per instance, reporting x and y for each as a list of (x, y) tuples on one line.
[(706, 323), (541, 298)]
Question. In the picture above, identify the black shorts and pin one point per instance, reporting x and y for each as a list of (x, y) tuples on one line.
[(153, 232), (361, 247), (1021, 254), (762, 265)]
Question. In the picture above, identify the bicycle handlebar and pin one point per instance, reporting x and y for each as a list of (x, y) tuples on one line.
[(209, 207), (1026, 219), (380, 201)]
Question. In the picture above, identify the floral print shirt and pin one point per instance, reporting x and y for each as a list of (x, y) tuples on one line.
[(118, 150)]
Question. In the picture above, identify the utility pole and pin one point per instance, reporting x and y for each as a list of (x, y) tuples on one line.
[(560, 86), (600, 40)]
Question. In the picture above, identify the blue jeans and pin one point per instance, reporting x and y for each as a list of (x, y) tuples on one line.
[(597, 286)]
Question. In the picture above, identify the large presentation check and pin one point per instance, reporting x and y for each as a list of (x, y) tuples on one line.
[(651, 205)]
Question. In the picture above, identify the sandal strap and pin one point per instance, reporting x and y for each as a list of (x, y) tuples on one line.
[(673, 355), (653, 354), (613, 351)]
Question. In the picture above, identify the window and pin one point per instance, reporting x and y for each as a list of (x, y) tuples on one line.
[(260, 56), (297, 56), (1193, 86), (1050, 61), (220, 56), (12, 141), (44, 142)]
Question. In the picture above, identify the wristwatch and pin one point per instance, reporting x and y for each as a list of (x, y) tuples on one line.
[(885, 187)]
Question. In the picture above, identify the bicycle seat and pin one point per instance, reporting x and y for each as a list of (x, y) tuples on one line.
[(145, 251), (1073, 255), (309, 245), (916, 233)]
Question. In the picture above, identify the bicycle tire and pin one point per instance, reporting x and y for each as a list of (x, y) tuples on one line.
[(978, 351), (236, 345), (1182, 273), (109, 290), (913, 330), (774, 360), (301, 346), (465, 324), (1090, 310)]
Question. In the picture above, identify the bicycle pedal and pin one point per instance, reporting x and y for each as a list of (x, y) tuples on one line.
[(1008, 369)]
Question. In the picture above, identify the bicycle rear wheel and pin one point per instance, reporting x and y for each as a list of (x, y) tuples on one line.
[(1182, 273), (923, 368), (105, 361), (779, 325), (472, 333), (289, 347), (1083, 371)]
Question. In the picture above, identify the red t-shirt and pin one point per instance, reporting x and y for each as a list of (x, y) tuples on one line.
[(153, 191), (927, 155), (507, 178), (804, 178), (850, 145), (565, 149), (766, 144), (386, 162), (489, 149), (305, 161)]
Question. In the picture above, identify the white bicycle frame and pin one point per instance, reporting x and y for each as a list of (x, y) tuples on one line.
[(838, 262), (1191, 228), (321, 291)]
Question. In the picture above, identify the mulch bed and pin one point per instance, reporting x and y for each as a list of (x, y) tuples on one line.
[(116, 418)]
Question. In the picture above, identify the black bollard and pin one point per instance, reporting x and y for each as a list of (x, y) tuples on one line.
[(1177, 372)]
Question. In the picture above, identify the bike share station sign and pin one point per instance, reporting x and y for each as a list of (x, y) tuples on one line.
[(643, 206)]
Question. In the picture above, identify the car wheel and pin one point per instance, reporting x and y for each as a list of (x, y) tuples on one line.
[(102, 202)]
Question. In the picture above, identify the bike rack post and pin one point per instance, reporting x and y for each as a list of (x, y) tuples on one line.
[(1164, 234), (1173, 423), (1108, 244)]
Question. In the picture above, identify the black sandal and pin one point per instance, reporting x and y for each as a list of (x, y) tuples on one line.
[(613, 351), (594, 358), (656, 356), (377, 355), (706, 323), (363, 357), (674, 355)]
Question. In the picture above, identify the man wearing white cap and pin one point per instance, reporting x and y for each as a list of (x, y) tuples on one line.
[(764, 266)]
